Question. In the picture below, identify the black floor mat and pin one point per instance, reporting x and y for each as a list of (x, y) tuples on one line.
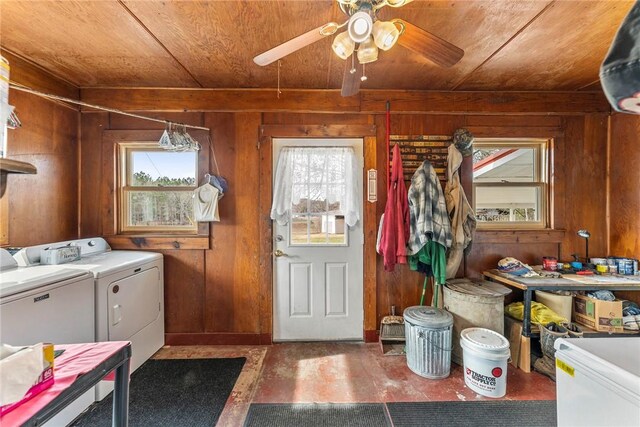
[(498, 413), (317, 414), (173, 392)]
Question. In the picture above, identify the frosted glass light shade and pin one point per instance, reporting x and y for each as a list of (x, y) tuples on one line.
[(385, 34), (343, 46), (367, 52)]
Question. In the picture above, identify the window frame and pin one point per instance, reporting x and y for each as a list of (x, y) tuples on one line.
[(124, 164), (541, 147), (109, 200)]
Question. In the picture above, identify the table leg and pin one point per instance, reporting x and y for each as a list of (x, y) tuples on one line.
[(526, 319), (525, 354), (120, 415)]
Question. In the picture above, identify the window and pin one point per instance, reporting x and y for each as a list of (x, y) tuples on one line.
[(156, 188), (510, 183), (318, 178)]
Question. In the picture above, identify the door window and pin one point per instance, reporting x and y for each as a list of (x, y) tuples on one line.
[(316, 194)]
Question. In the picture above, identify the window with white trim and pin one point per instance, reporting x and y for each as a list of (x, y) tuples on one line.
[(510, 183), (155, 189)]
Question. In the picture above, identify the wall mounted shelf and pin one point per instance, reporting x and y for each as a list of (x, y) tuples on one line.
[(8, 166)]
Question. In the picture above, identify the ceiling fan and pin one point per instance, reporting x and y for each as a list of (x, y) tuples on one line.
[(364, 37)]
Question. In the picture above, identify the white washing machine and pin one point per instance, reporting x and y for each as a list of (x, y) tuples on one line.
[(129, 295), (47, 304)]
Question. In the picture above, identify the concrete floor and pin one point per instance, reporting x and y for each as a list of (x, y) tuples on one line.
[(341, 373)]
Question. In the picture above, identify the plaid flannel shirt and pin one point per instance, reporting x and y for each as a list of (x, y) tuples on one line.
[(429, 219)]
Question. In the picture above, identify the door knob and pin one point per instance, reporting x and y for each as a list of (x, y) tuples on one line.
[(278, 253)]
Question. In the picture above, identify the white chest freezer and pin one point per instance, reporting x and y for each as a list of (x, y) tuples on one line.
[(598, 381)]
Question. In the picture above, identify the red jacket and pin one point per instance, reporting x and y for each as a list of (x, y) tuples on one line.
[(395, 229)]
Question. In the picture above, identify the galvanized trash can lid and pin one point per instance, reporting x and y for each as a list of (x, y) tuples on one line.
[(485, 339), (427, 316)]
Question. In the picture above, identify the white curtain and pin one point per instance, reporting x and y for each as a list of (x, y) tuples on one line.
[(312, 174)]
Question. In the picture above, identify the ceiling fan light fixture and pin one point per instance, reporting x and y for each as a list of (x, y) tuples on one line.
[(367, 52), (385, 34), (343, 45), (360, 26), (397, 3)]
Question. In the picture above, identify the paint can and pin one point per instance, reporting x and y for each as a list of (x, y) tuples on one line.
[(550, 263), (625, 266), (628, 267), (486, 354)]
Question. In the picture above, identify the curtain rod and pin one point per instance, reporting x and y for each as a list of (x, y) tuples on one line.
[(22, 88)]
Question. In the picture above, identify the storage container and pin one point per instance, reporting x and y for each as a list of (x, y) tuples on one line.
[(476, 303), (428, 333), (603, 316), (486, 354), (561, 304)]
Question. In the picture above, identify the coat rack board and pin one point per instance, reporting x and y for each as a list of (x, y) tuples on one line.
[(416, 149)]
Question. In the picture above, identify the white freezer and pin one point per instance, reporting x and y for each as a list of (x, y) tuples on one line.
[(598, 382)]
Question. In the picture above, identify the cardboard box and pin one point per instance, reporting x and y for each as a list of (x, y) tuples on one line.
[(43, 382), (603, 316)]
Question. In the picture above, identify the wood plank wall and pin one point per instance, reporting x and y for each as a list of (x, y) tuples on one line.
[(212, 294), (44, 207), (624, 190)]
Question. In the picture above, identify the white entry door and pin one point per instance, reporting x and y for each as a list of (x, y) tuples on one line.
[(318, 259)]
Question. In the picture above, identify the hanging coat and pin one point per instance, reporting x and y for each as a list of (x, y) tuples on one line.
[(463, 221), (395, 228)]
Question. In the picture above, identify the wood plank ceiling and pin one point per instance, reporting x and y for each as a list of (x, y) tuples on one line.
[(509, 44)]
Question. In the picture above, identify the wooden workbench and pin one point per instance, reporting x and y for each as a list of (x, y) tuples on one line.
[(568, 282)]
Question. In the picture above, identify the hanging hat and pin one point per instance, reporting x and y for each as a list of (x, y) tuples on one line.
[(463, 140)]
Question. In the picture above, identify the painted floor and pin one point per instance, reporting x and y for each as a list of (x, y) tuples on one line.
[(341, 373)]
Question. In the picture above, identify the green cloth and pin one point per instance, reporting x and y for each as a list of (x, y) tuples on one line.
[(432, 254)]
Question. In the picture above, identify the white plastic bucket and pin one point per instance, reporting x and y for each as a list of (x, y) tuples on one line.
[(485, 354)]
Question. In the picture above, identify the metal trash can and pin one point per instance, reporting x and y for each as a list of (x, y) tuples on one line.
[(473, 303), (428, 331)]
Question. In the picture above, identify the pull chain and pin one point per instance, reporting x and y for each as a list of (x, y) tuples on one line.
[(279, 66)]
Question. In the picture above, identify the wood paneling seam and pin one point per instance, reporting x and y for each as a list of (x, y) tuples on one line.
[(517, 33), (153, 36)]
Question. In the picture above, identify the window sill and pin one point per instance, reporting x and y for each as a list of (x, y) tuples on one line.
[(519, 236), (158, 242)]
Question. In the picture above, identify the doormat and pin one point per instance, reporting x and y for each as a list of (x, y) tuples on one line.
[(317, 414), (173, 392), (497, 413)]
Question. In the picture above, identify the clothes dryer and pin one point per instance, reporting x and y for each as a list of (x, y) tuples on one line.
[(129, 295)]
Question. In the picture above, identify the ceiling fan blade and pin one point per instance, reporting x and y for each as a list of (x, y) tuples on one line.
[(294, 44), (429, 45), (351, 81)]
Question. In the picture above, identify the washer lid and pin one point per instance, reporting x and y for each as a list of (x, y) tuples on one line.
[(428, 316), (485, 339), (26, 278)]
